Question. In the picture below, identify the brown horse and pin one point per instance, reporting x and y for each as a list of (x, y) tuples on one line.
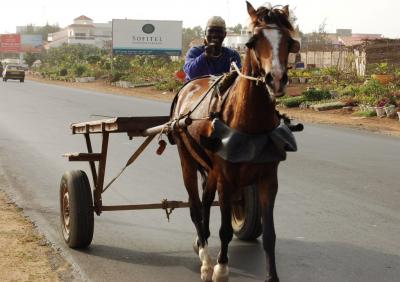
[(246, 111)]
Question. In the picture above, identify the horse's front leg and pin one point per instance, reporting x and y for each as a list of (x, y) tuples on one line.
[(207, 200), (189, 171), (221, 270), (268, 189)]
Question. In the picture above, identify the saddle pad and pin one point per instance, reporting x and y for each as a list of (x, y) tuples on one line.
[(235, 146)]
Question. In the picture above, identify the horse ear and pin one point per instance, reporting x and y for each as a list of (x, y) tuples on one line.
[(285, 10), (252, 12), (294, 46)]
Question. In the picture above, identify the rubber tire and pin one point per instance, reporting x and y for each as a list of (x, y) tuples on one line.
[(246, 218), (81, 217)]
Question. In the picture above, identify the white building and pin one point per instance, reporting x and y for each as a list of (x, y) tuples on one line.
[(237, 41), (82, 31)]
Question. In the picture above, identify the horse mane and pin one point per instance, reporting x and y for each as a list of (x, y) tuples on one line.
[(272, 16)]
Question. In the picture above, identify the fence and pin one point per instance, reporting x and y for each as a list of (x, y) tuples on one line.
[(323, 59)]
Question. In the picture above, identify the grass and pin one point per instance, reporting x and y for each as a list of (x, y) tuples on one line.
[(364, 114)]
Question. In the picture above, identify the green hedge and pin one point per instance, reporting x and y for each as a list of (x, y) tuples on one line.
[(292, 102), (316, 95)]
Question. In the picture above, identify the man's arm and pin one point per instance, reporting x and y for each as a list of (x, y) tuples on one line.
[(195, 64)]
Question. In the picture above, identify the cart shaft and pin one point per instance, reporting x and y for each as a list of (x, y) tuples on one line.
[(163, 205)]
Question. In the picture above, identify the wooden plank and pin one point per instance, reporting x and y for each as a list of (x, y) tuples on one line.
[(82, 157), (118, 124)]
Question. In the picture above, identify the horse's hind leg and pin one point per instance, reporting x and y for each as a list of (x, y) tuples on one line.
[(268, 189), (221, 270), (189, 171)]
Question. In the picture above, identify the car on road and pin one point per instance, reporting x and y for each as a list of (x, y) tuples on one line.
[(12, 71)]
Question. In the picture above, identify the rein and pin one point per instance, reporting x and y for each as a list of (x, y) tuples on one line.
[(257, 79)]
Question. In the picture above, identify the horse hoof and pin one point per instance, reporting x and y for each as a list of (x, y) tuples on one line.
[(206, 273), (221, 273), (272, 279), (196, 246)]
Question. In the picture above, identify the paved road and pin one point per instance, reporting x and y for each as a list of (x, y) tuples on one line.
[(337, 211)]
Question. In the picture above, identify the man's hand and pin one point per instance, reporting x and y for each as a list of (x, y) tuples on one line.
[(211, 49)]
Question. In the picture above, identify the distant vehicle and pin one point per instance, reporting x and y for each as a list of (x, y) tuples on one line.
[(25, 67), (12, 71)]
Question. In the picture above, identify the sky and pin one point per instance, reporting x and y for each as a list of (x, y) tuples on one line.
[(361, 16)]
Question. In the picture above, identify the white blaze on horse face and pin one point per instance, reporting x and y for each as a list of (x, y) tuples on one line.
[(274, 38)]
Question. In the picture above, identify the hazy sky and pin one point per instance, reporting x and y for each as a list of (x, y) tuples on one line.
[(360, 15)]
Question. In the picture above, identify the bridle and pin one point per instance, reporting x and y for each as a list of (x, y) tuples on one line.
[(261, 78), (258, 79)]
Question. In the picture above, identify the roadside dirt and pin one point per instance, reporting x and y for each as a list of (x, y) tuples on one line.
[(343, 118), (26, 256)]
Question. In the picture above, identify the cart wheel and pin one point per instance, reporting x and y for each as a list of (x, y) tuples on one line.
[(76, 205), (246, 216)]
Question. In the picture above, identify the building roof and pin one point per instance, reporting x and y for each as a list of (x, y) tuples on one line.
[(351, 40), (83, 18), (356, 39), (81, 25)]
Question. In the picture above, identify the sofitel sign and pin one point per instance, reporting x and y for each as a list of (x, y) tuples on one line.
[(140, 37)]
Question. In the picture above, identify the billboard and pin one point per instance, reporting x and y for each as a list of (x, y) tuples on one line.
[(147, 37), (32, 43), (10, 43)]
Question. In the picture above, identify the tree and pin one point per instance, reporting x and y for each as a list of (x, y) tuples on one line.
[(30, 58), (237, 28), (45, 30), (42, 30), (189, 34), (316, 39)]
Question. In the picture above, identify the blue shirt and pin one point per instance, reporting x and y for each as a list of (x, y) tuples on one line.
[(196, 63)]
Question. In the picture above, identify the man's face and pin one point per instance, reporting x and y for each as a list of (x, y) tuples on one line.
[(215, 35)]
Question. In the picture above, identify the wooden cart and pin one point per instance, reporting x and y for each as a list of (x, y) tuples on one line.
[(78, 202)]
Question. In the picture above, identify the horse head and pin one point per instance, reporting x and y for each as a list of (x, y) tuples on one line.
[(269, 47)]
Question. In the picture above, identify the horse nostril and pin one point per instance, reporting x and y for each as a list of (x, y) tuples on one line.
[(269, 78)]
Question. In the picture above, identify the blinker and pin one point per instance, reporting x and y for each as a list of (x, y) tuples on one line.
[(294, 46)]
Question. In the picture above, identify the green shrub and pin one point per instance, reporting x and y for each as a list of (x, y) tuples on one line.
[(93, 59), (350, 91), (116, 76), (63, 72), (292, 102), (316, 95), (79, 69), (169, 85), (121, 63), (368, 113), (373, 87)]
